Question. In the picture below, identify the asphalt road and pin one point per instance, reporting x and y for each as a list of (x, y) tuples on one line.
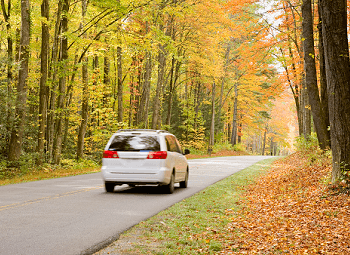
[(74, 215)]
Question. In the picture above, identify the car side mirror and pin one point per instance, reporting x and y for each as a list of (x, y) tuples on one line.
[(187, 151)]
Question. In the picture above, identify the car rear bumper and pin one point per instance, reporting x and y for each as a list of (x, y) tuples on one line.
[(135, 176)]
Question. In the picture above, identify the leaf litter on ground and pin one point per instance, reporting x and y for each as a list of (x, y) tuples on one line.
[(289, 209)]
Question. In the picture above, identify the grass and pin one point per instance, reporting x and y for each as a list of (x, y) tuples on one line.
[(68, 168), (195, 225)]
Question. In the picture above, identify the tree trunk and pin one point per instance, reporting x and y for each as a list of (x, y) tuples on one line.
[(311, 77), (15, 145), (137, 90), (106, 80), (85, 97), (223, 79), (106, 69), (120, 79), (239, 133), (234, 119), (212, 126), (170, 95), (120, 84), (197, 104), (174, 74), (132, 98), (160, 81), (323, 78), (44, 89), (52, 75), (84, 111), (162, 55), (336, 48), (142, 113), (272, 148), (61, 84), (264, 141), (305, 111), (114, 82)]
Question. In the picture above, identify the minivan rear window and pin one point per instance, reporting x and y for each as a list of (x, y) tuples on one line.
[(134, 143)]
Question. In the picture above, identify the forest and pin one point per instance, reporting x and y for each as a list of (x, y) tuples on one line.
[(250, 75)]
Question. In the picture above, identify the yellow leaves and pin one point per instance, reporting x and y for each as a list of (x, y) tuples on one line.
[(308, 107), (207, 32), (312, 55)]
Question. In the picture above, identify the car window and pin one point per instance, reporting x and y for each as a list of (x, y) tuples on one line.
[(171, 143), (168, 143), (134, 143), (178, 145)]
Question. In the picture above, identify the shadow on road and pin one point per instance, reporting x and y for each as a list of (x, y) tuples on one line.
[(150, 190)]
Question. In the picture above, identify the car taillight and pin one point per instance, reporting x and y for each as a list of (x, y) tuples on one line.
[(110, 154), (157, 155)]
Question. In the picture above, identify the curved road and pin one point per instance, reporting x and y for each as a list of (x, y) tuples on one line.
[(74, 215)]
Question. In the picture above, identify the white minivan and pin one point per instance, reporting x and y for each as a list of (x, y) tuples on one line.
[(144, 156)]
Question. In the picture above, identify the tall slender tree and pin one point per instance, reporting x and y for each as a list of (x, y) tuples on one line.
[(85, 94), (44, 89), (160, 84), (336, 49), (16, 140), (234, 117), (323, 78), (212, 123), (319, 116), (52, 75), (63, 57)]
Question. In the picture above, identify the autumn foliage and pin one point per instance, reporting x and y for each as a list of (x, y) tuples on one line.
[(292, 210), (204, 70)]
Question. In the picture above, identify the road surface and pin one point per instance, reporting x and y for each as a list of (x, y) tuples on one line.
[(74, 215)]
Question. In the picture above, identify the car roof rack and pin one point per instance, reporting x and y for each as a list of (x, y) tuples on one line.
[(142, 130)]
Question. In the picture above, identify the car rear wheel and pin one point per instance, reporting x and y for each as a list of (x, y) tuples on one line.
[(184, 183), (170, 187), (109, 187)]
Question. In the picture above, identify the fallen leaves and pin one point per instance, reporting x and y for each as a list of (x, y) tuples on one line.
[(290, 210)]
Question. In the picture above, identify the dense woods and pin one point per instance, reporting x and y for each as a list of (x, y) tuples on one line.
[(72, 73), (211, 72)]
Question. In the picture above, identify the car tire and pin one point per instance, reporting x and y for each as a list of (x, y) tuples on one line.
[(184, 183), (169, 189), (109, 187)]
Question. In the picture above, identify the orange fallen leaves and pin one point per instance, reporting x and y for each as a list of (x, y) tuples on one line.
[(290, 210)]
